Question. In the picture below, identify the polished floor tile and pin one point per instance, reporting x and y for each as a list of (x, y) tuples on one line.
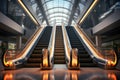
[(60, 72)]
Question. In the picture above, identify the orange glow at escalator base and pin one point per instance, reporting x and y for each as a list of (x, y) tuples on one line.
[(8, 76), (45, 76), (111, 63), (112, 76), (8, 63), (74, 62), (74, 76), (45, 62)]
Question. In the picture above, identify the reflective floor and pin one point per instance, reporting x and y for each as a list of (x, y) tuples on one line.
[(60, 72)]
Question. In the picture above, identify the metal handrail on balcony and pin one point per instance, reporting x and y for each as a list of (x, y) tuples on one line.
[(25, 53), (111, 10), (70, 54)]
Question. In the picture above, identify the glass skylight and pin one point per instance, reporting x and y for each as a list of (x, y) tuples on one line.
[(58, 11)]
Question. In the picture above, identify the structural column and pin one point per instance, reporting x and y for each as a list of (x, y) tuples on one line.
[(18, 42), (98, 40)]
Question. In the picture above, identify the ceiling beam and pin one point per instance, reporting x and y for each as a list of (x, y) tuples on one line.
[(76, 3), (42, 10), (59, 8), (56, 12)]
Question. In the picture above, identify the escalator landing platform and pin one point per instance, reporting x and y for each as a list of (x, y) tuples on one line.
[(60, 66)]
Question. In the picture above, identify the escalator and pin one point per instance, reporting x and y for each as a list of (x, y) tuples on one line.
[(36, 57), (84, 58), (59, 53)]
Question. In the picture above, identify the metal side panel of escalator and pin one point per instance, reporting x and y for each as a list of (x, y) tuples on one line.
[(36, 57), (84, 58)]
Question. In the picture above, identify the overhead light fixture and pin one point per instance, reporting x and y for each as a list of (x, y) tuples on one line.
[(88, 11), (28, 12)]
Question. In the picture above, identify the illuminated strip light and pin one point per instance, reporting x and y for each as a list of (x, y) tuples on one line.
[(88, 11), (28, 12)]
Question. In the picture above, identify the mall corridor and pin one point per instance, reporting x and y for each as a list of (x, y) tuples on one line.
[(59, 40)]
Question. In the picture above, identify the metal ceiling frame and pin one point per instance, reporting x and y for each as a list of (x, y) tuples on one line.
[(58, 16), (74, 7), (59, 19), (53, 0), (57, 12), (48, 13), (46, 2), (42, 10), (58, 7)]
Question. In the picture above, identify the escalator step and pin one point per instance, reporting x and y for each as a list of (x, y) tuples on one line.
[(37, 51), (82, 60), (59, 51), (84, 57), (59, 62), (59, 54), (59, 57), (88, 65), (32, 65), (34, 60), (36, 55)]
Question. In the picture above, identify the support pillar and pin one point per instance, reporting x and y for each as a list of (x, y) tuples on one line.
[(18, 42), (98, 40)]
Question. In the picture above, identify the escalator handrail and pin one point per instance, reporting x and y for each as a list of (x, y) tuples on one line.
[(94, 53), (88, 38), (67, 44), (30, 38), (78, 30), (24, 54), (52, 44)]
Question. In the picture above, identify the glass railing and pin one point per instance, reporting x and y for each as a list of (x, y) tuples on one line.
[(10, 55), (12, 58), (70, 54), (88, 37), (94, 52), (108, 54)]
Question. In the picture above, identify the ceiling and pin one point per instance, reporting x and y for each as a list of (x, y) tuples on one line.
[(59, 12)]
